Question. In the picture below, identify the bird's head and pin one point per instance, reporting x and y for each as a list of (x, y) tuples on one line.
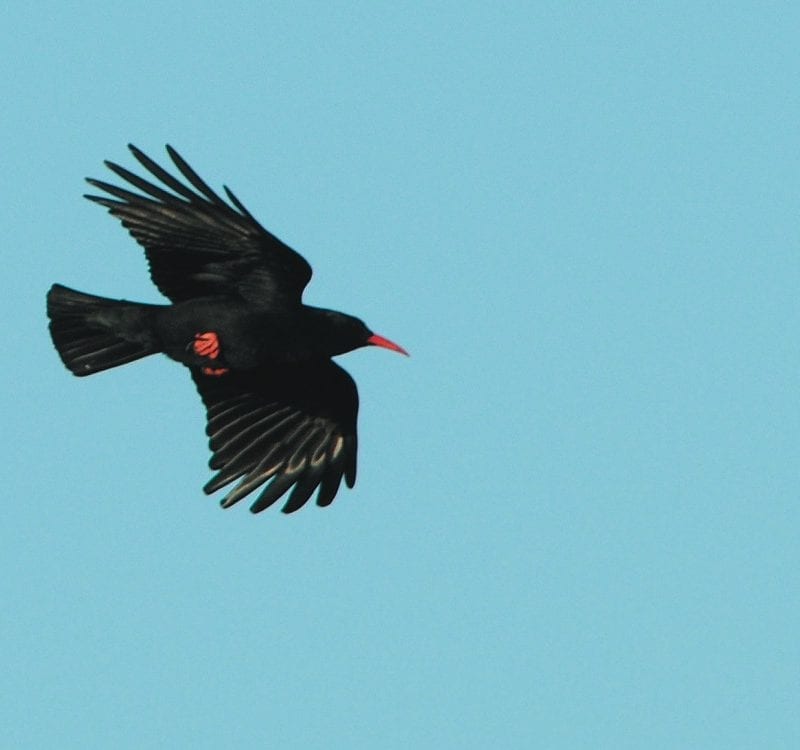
[(347, 332)]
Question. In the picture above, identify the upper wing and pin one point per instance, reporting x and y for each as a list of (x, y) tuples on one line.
[(293, 424), (196, 243)]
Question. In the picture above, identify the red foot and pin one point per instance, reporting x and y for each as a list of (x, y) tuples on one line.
[(206, 344), (215, 371)]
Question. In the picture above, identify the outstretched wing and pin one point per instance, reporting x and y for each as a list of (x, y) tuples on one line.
[(199, 245), (292, 424)]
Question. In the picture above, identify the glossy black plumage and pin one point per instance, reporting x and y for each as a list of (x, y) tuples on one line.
[(281, 415), (196, 244), (296, 423)]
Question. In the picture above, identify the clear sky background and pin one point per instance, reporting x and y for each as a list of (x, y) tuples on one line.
[(576, 522)]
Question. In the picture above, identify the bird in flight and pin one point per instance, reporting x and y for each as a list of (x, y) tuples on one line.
[(281, 414)]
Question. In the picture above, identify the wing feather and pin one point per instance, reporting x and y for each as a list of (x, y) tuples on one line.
[(281, 427), (196, 244)]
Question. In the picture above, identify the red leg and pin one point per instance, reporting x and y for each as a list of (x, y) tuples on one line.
[(206, 344)]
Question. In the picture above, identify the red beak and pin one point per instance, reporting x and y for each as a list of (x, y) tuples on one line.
[(376, 340)]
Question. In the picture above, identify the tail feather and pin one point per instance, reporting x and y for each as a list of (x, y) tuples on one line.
[(93, 333)]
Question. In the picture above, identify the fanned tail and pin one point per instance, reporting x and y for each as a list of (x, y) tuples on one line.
[(96, 333)]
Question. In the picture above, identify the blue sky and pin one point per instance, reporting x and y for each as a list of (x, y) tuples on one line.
[(576, 521)]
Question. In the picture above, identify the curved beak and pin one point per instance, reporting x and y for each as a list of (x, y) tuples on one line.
[(376, 340)]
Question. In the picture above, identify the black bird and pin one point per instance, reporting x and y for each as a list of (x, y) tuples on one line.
[(279, 409)]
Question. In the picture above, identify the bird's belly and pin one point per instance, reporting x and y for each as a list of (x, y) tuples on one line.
[(239, 333), (246, 339)]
